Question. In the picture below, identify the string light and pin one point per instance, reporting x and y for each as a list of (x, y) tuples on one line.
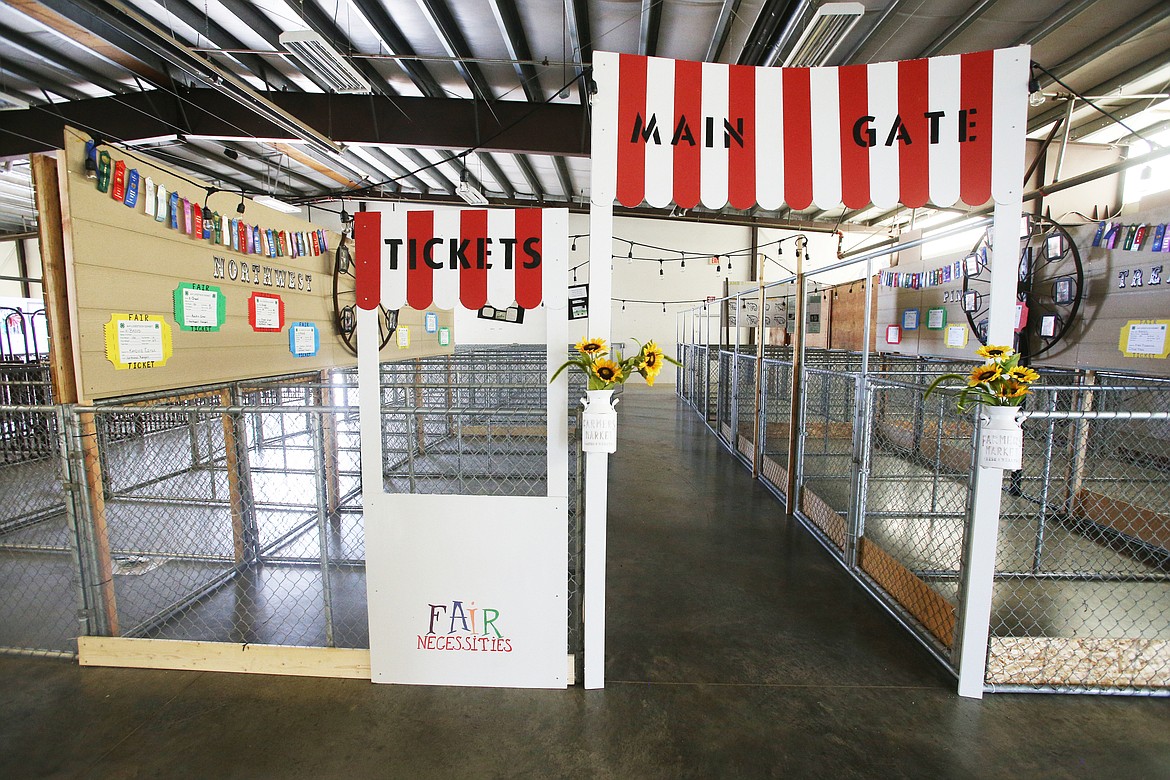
[(574, 247), (718, 266), (574, 274), (660, 273), (630, 256), (664, 307), (729, 263), (682, 259)]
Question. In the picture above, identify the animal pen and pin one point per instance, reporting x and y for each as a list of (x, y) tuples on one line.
[(232, 513), (882, 476)]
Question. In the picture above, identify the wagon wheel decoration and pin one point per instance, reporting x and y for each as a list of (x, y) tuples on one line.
[(1050, 284), (345, 304)]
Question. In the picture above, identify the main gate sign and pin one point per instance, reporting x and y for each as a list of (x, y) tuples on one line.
[(932, 130)]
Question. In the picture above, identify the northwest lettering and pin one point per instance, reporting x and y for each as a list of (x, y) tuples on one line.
[(465, 253)]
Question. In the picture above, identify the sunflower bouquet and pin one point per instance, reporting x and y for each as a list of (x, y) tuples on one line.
[(602, 373), (1001, 381)]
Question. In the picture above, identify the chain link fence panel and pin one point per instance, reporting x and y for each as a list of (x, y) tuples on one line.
[(42, 608), (1082, 590)]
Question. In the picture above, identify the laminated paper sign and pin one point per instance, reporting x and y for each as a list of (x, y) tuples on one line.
[(199, 307), (136, 341)]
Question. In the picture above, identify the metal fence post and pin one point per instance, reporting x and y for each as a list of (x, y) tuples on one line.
[(89, 618), (320, 482)]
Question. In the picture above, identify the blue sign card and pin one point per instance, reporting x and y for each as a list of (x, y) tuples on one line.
[(431, 322), (303, 339)]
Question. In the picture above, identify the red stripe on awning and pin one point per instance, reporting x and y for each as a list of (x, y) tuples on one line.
[(529, 261), (741, 160), (688, 102), (853, 86), (420, 228), (367, 258), (473, 229), (914, 154), (798, 182), (631, 147), (978, 73)]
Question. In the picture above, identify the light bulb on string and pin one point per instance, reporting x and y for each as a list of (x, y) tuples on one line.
[(574, 246), (623, 305), (682, 263), (630, 255), (660, 273), (729, 263), (718, 265), (664, 307), (574, 274)]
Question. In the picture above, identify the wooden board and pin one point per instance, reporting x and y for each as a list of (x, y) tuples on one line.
[(223, 657), (1126, 518), (119, 260), (931, 609)]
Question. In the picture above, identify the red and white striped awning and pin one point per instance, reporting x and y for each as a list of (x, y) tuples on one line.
[(933, 130), (469, 257)]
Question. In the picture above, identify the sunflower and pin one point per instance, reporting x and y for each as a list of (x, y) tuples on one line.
[(651, 358), (1012, 389), (592, 347), (981, 375), (1023, 374), (607, 371), (994, 353)]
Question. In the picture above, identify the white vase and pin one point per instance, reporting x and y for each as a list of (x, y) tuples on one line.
[(1001, 438), (599, 422)]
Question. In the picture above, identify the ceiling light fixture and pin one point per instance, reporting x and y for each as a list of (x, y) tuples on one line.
[(322, 60), (830, 24), (469, 193), (278, 205)]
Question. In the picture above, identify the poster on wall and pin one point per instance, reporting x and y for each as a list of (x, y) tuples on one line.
[(936, 318), (893, 334), (266, 312), (1144, 339), (303, 339), (957, 335), (910, 319), (137, 341), (199, 307), (579, 302)]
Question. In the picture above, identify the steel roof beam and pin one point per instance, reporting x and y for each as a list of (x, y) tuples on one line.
[(40, 81), (392, 36), (1135, 75), (497, 173), (565, 176), (512, 30), (530, 176), (722, 30), (1105, 44), (649, 25), (510, 126), (200, 21), (456, 45), (580, 36), (59, 58)]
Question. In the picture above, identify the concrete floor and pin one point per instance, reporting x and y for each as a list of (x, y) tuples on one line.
[(736, 648)]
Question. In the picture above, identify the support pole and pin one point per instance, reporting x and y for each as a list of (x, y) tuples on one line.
[(983, 531), (757, 439), (602, 89), (94, 484), (328, 424), (794, 387)]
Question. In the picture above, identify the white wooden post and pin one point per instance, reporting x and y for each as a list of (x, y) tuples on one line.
[(1010, 111), (603, 188)]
